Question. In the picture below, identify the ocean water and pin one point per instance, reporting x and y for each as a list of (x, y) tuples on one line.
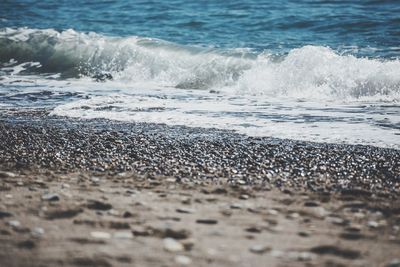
[(324, 71)]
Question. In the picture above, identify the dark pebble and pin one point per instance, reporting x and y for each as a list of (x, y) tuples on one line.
[(207, 221)]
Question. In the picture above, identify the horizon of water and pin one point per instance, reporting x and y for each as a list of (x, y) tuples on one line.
[(325, 71)]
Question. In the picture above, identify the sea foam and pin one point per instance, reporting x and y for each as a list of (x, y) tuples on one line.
[(307, 72)]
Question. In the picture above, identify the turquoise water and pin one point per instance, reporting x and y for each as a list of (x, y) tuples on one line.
[(326, 71), (370, 28)]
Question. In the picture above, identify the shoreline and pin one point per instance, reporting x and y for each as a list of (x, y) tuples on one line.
[(37, 140), (103, 193)]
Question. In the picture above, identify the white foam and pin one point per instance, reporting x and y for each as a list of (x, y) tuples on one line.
[(312, 93), (309, 72)]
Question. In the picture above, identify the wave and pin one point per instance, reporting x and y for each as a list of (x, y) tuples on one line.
[(306, 72)]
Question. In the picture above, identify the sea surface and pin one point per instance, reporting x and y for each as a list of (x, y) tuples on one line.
[(323, 71)]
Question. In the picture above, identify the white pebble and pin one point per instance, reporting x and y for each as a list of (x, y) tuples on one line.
[(100, 235), (183, 260), (172, 245)]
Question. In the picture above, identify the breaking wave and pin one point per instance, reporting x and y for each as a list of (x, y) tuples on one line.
[(306, 72)]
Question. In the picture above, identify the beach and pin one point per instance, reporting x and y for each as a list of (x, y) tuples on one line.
[(106, 193), (199, 133)]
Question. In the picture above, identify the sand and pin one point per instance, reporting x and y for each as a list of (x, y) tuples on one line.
[(100, 193)]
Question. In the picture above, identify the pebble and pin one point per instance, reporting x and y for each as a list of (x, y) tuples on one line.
[(318, 212), (186, 200), (51, 197), (277, 253), (272, 212), (394, 263), (14, 224), (100, 235), (241, 182), (259, 249), (336, 220), (37, 232), (354, 228), (188, 244), (98, 205), (373, 224), (95, 179), (301, 256), (123, 235), (172, 245), (65, 186), (183, 260), (206, 221), (185, 210), (236, 206), (4, 214), (303, 234), (142, 231), (7, 174), (244, 197), (293, 215)]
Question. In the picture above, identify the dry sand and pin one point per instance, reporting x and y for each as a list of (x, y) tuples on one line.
[(87, 219)]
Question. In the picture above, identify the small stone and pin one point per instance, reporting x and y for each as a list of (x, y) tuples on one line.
[(4, 214), (394, 263), (254, 229), (20, 183), (186, 200), (27, 244), (14, 224), (100, 235), (226, 212), (259, 249), (165, 232), (318, 212), (244, 197), (142, 231), (95, 179), (311, 204), (303, 234), (336, 220), (185, 210), (7, 174), (51, 197), (373, 224), (98, 205), (206, 221), (65, 186), (188, 244), (359, 215), (236, 206), (293, 215), (127, 214), (301, 256), (272, 212), (241, 182), (183, 260), (172, 245), (113, 212), (123, 235), (354, 228), (37, 232)]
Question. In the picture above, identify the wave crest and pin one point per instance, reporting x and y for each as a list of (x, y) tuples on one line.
[(306, 72)]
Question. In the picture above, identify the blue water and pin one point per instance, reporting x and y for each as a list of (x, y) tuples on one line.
[(368, 28), (325, 71)]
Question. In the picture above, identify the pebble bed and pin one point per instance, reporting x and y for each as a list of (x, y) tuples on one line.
[(36, 139)]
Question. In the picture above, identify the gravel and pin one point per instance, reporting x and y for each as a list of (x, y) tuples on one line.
[(35, 139)]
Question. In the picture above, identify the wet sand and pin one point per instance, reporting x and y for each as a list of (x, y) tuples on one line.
[(101, 193)]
